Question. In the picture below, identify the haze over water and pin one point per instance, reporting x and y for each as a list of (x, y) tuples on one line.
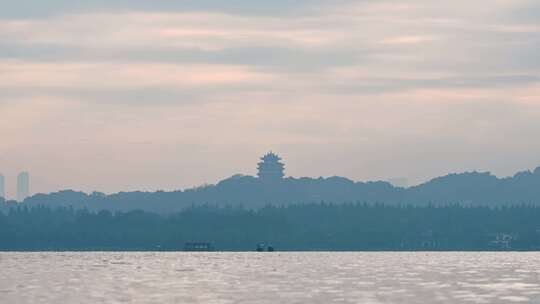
[(284, 277)]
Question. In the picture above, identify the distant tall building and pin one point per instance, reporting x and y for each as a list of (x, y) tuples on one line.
[(23, 186), (271, 168), (2, 187)]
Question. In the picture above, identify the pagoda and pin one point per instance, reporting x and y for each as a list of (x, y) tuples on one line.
[(270, 168)]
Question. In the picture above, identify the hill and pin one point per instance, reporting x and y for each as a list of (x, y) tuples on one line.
[(471, 188)]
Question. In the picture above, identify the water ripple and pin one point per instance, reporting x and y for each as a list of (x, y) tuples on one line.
[(294, 277)]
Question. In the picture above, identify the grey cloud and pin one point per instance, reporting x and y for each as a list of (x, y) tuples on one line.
[(133, 96), (528, 13), (477, 48), (376, 85), (32, 8), (129, 96), (188, 95), (41, 52), (302, 60)]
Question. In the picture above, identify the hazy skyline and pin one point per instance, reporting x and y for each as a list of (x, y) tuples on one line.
[(125, 95)]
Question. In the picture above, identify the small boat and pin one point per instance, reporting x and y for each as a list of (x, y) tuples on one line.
[(198, 246), (262, 248)]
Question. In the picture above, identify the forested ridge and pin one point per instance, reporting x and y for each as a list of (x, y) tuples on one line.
[(472, 188)]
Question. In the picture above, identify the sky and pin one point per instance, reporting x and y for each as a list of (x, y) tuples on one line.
[(146, 95)]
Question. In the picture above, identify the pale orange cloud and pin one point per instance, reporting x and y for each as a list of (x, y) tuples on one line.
[(102, 75)]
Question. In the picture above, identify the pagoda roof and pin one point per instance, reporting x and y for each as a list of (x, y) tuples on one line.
[(271, 156)]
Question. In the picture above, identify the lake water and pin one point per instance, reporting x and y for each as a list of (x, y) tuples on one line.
[(279, 277)]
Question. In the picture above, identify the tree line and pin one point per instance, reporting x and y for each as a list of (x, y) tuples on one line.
[(292, 227)]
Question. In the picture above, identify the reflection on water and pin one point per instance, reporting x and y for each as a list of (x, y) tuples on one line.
[(279, 277)]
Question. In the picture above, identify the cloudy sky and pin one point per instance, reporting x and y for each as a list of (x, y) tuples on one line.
[(122, 95)]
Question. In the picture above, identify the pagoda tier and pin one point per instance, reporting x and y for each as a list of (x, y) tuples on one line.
[(270, 167)]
